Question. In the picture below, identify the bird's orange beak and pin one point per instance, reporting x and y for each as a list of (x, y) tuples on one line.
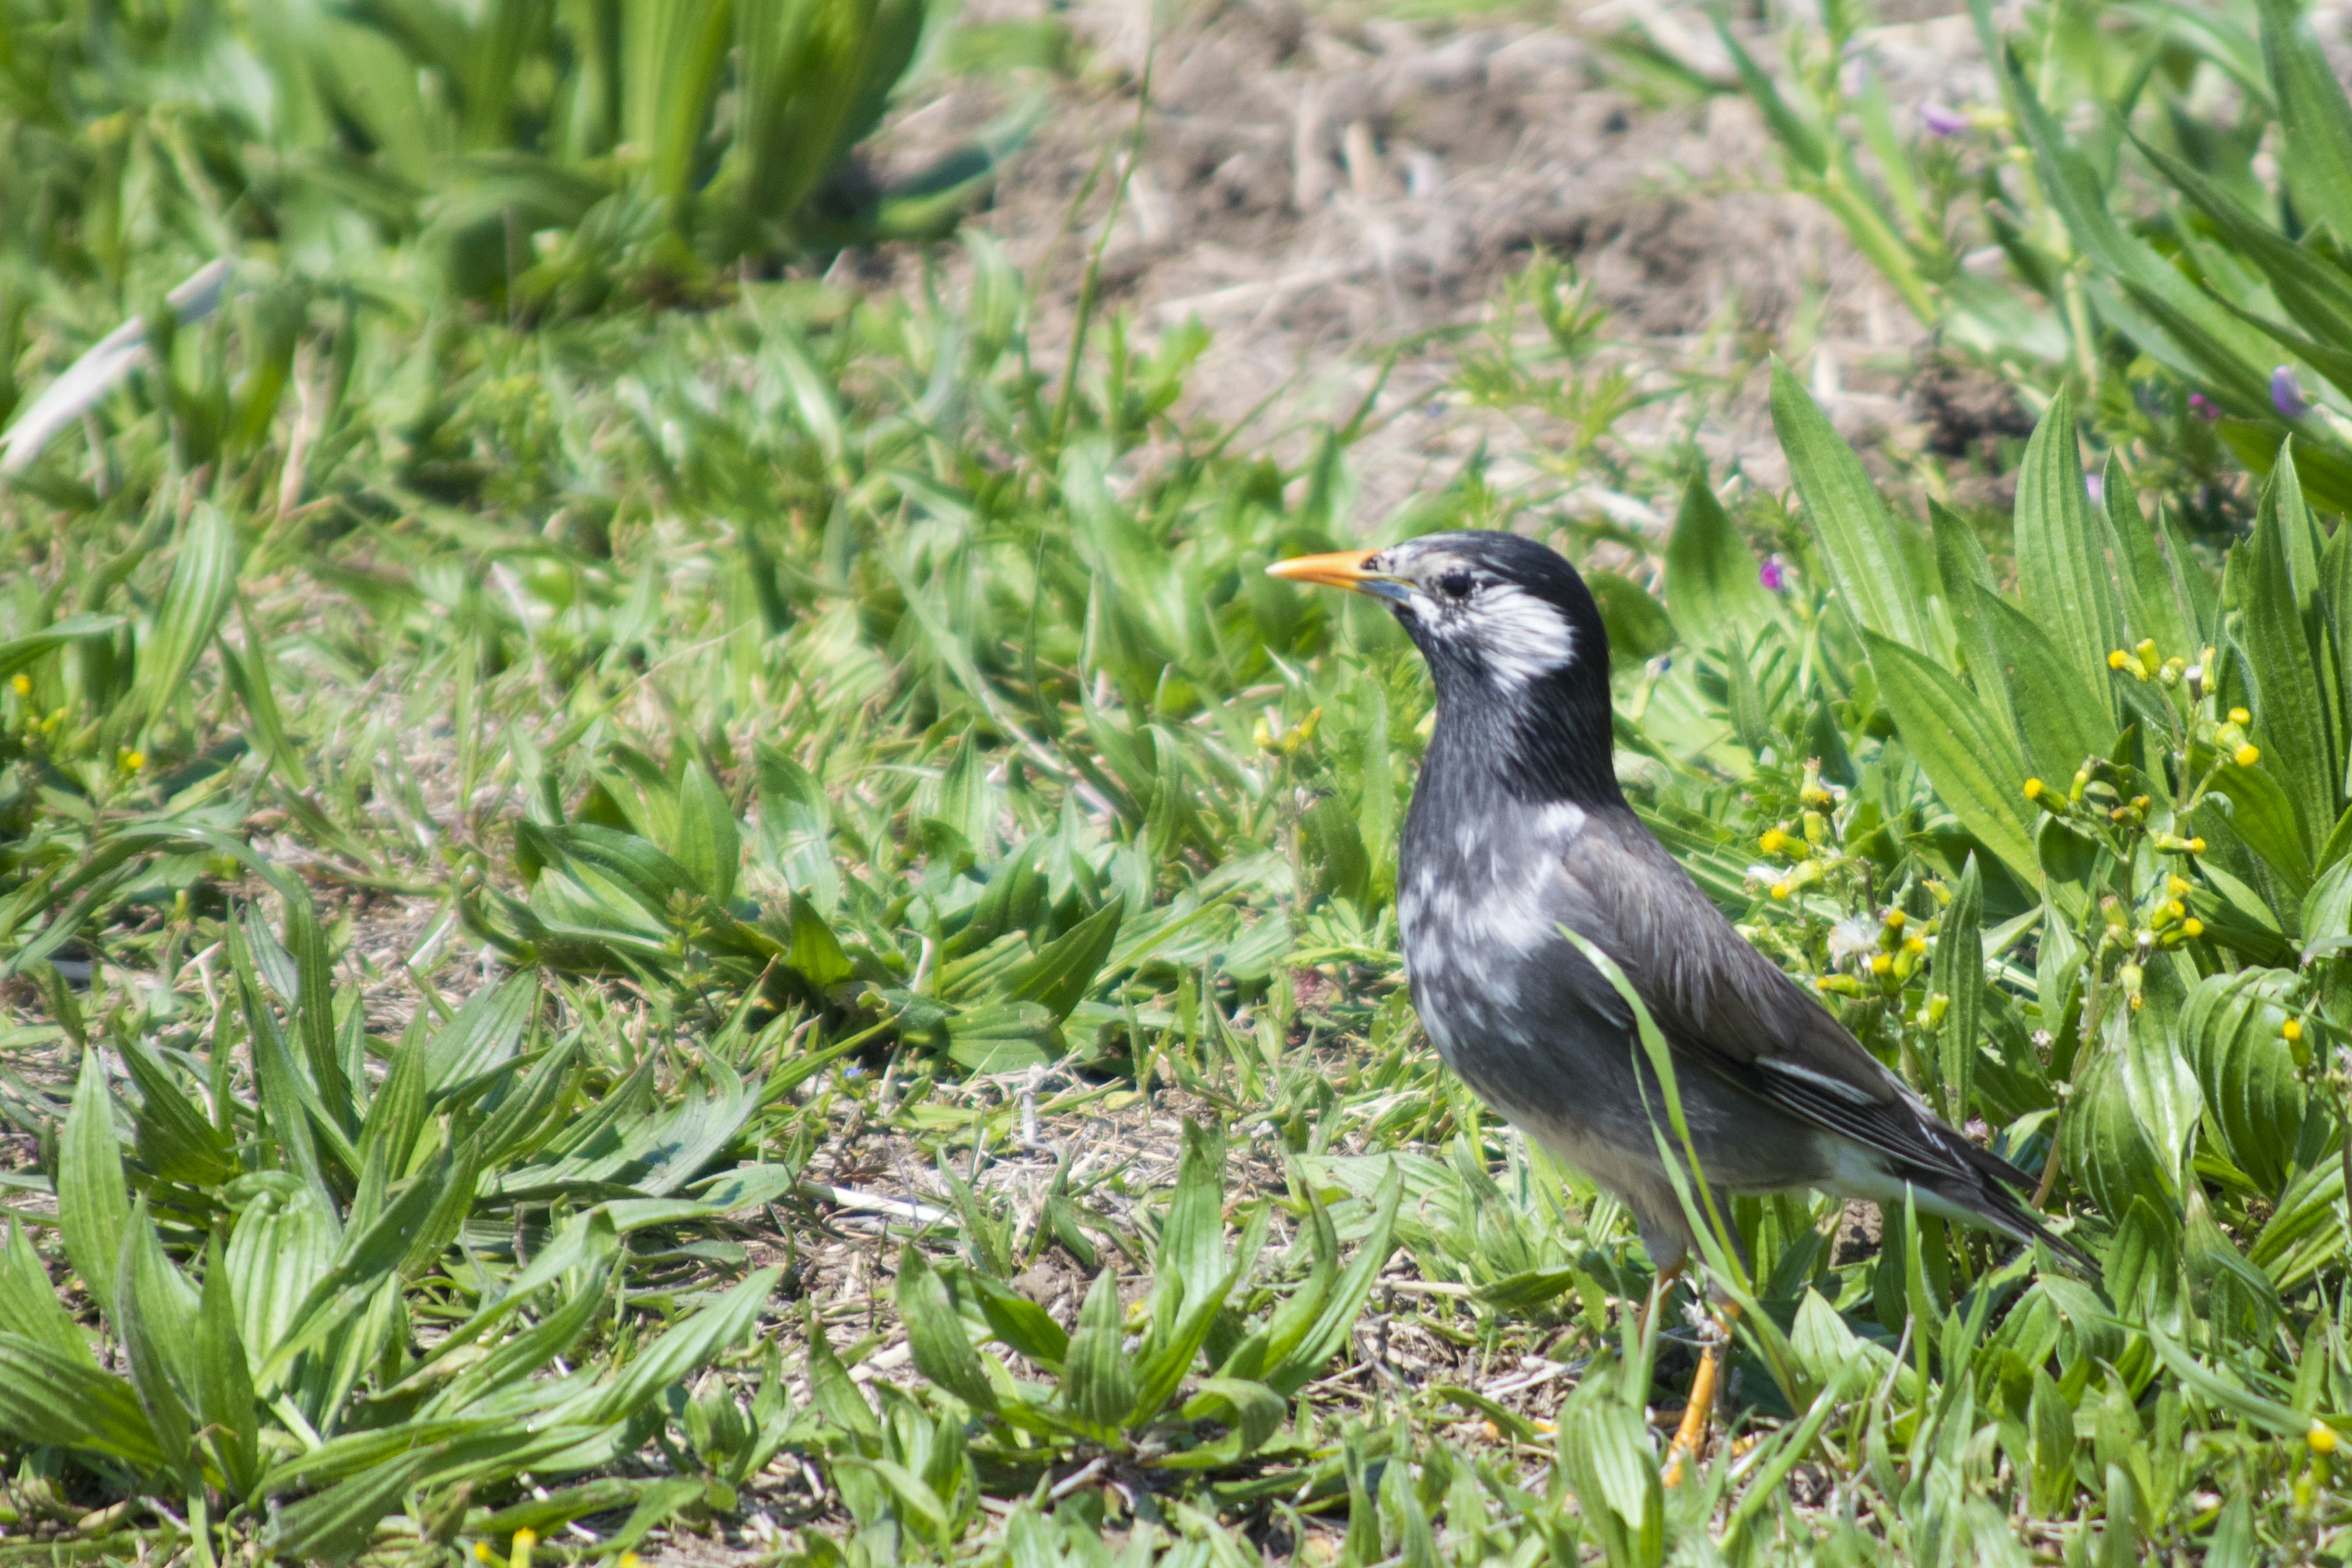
[(1340, 568)]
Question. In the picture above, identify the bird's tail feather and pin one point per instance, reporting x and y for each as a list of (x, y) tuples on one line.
[(1986, 1194)]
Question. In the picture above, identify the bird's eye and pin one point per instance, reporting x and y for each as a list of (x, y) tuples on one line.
[(1455, 584)]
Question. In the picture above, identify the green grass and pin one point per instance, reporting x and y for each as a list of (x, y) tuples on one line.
[(761, 920)]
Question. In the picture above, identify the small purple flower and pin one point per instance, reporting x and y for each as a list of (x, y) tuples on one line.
[(1940, 121), (2203, 406), (2097, 485), (1773, 577), (2287, 394)]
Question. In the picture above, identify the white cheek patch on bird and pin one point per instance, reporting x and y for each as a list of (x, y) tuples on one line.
[(1521, 638)]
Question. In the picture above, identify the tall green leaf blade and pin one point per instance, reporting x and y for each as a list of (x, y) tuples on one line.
[(708, 845), (195, 600), (1870, 564), (935, 1333), (1972, 763), (93, 1199), (1713, 579), (153, 1313), (223, 1385), (1959, 974), (2293, 717), (1096, 1379), (2151, 608), (57, 1399), (2314, 120), (2061, 563), (28, 1302), (2060, 719)]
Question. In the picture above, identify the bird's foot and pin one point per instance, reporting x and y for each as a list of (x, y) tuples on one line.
[(1690, 1436)]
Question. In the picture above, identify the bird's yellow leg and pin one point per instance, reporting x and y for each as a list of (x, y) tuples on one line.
[(1691, 1436)]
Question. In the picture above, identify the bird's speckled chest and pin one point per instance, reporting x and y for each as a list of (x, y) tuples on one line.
[(1480, 898)]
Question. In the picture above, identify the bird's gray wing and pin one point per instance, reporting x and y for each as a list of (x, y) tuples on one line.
[(1725, 1008)]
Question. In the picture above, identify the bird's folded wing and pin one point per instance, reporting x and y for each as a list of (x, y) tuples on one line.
[(1725, 1007)]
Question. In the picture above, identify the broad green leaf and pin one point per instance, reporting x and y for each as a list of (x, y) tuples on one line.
[(154, 1311), (28, 1302), (93, 1200), (174, 1139), (1636, 624), (2265, 819), (222, 1388), (1191, 1262), (1354, 1287), (2295, 723), (2151, 609), (1061, 974), (1098, 1385), (2315, 121), (2063, 719), (1965, 575), (708, 845), (22, 653), (1870, 562), (2248, 1073), (484, 1033), (1713, 579), (2062, 559), (283, 1244), (1967, 756), (203, 581), (935, 1333), (58, 1399), (337, 1524)]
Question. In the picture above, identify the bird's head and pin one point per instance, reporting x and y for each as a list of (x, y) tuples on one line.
[(1514, 642)]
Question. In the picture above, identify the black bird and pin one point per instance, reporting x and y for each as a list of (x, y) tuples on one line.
[(1516, 829)]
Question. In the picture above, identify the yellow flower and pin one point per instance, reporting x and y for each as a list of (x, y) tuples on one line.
[(1880, 963), (21, 685), (2197, 846), (129, 761), (1894, 919), (2176, 886), (524, 1540), (1773, 841), (2292, 1029), (2193, 926), (1780, 889), (2322, 1437), (2240, 716), (2116, 660), (1914, 946), (2034, 788), (2246, 756)]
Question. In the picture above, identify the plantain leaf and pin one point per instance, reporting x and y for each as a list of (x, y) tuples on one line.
[(1098, 1385), (2246, 1071), (2061, 563), (1969, 758), (1870, 562), (1060, 974), (1713, 579), (2295, 723), (935, 1333), (203, 581), (2315, 121), (2062, 720), (93, 1201), (708, 845)]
